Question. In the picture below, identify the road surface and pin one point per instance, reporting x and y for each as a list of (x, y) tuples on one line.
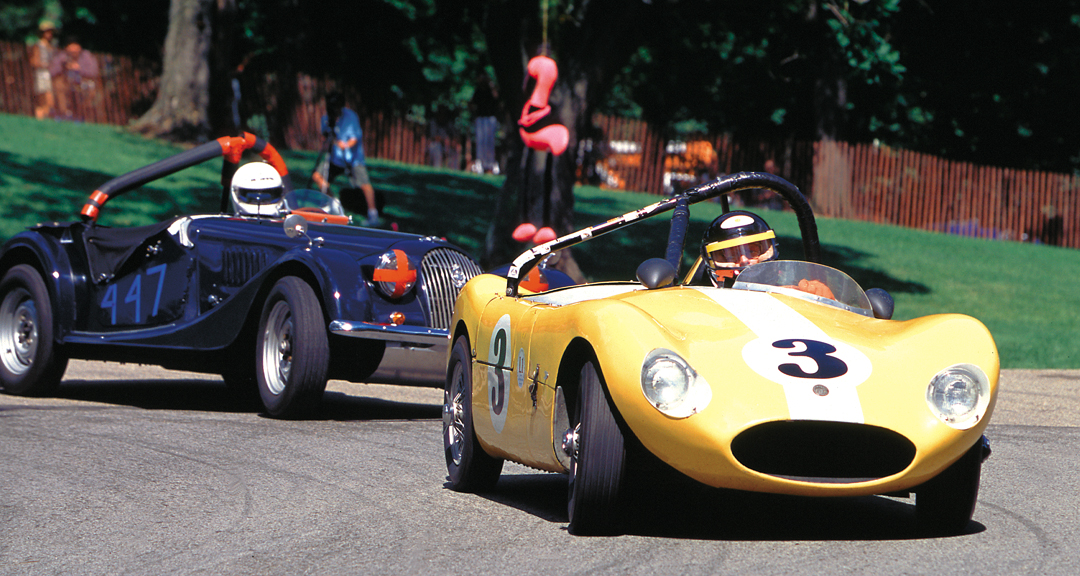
[(137, 470)]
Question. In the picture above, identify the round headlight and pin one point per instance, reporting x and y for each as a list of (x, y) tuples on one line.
[(671, 385), (959, 395), (394, 274)]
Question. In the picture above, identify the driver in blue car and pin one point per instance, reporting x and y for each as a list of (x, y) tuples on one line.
[(257, 190), (739, 239)]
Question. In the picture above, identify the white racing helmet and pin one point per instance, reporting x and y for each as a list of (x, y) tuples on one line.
[(257, 190)]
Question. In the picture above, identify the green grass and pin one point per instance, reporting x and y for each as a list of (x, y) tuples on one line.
[(1024, 293)]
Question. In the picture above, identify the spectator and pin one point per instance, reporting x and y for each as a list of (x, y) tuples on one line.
[(485, 107), (341, 128), (74, 73), (41, 54)]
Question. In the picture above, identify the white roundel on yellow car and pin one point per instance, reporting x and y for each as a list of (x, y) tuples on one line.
[(499, 372), (819, 373)]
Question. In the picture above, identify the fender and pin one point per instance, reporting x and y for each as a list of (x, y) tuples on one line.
[(47, 253), (336, 274)]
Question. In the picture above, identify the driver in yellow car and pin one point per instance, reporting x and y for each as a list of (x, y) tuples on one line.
[(734, 241), (739, 239)]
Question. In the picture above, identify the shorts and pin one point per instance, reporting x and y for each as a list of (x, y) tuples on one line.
[(42, 82), (358, 175)]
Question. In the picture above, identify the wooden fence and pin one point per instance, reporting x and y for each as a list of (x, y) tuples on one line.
[(885, 185), (117, 96), (853, 181), (634, 156)]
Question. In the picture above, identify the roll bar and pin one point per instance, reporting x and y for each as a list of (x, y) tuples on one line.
[(231, 147), (721, 187)]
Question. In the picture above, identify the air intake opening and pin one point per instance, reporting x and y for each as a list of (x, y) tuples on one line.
[(829, 452)]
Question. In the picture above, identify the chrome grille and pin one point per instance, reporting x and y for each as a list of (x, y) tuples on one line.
[(444, 272)]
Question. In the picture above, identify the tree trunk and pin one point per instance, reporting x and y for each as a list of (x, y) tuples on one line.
[(829, 96), (180, 112), (223, 71)]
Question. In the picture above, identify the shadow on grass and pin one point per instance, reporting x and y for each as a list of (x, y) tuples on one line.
[(458, 208), (679, 508), (46, 191)]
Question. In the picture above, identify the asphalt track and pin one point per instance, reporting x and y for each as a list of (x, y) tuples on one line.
[(135, 470)]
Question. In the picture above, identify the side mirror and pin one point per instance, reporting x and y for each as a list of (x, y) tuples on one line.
[(881, 302), (656, 273), (295, 226)]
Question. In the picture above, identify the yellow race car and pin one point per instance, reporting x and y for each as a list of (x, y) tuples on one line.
[(757, 387)]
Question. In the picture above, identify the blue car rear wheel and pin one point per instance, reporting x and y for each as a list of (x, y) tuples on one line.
[(31, 362)]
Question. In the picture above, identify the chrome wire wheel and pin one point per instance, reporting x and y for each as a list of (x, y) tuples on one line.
[(453, 421), (468, 467), (278, 348), (18, 331)]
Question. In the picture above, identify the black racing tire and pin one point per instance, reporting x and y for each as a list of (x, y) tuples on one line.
[(598, 465), (469, 468), (292, 355), (32, 363), (945, 504)]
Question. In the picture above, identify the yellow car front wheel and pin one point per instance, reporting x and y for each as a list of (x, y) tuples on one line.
[(597, 460), (470, 469), (945, 504)]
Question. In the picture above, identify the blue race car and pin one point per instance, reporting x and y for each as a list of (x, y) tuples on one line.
[(277, 294)]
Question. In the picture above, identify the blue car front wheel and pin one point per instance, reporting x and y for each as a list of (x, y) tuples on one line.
[(292, 354)]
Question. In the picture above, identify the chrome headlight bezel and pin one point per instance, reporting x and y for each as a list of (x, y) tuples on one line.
[(672, 386), (394, 274), (959, 395)]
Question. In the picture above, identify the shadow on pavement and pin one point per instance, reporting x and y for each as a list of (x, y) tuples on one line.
[(683, 509), (213, 396)]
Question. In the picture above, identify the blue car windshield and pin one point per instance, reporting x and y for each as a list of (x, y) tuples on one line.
[(804, 280), (307, 198)]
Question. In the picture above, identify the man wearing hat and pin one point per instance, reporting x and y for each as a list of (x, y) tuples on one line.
[(41, 54)]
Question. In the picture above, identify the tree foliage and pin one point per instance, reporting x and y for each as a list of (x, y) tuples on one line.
[(988, 81), (799, 68), (992, 82)]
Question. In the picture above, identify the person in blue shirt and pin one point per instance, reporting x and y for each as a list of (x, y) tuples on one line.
[(341, 127)]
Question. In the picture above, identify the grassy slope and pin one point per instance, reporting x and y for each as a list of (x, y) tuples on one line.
[(1023, 292)]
